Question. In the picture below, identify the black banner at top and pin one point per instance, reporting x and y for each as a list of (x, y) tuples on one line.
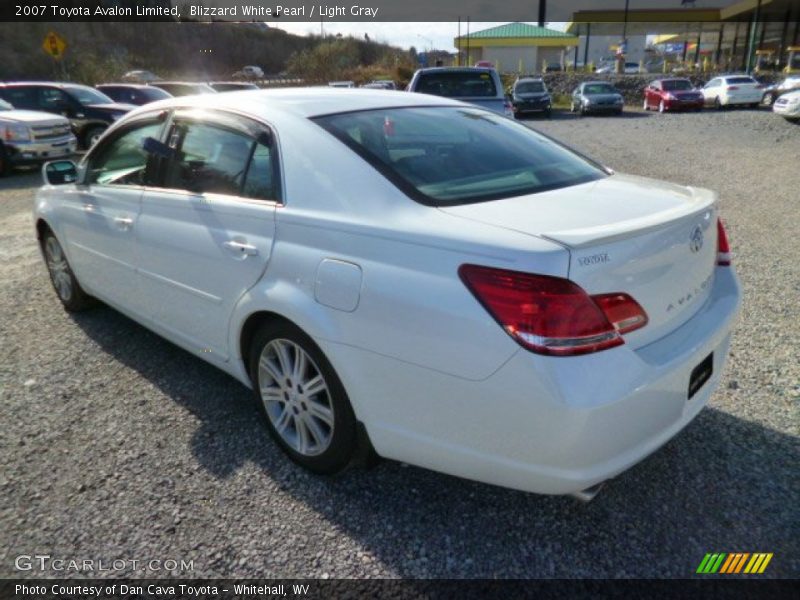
[(580, 11)]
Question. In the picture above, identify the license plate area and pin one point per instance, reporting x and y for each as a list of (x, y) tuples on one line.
[(700, 374)]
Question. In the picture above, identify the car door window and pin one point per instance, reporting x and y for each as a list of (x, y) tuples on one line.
[(712, 83), (21, 97), (122, 160), (54, 100), (214, 159)]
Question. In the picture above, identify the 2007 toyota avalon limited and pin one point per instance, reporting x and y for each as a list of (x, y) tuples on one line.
[(407, 273)]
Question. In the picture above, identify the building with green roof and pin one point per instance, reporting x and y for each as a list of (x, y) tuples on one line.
[(516, 47)]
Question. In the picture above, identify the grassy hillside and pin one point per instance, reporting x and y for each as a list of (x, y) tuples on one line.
[(104, 51)]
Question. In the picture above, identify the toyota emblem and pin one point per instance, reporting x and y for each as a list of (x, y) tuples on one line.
[(696, 239)]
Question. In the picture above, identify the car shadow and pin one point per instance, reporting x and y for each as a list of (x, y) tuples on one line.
[(694, 495)]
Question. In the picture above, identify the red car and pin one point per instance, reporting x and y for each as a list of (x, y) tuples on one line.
[(672, 94)]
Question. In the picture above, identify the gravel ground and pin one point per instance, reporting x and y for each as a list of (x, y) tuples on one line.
[(118, 445)]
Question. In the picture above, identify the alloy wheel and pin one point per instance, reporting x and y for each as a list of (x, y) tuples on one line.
[(58, 268), (296, 397)]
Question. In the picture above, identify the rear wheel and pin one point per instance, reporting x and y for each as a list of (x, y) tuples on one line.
[(662, 108), (646, 105), (303, 402), (64, 282)]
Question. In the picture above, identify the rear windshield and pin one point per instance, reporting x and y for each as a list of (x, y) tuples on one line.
[(599, 88), (457, 84), (677, 85), (154, 93), (529, 87), (730, 80), (443, 156)]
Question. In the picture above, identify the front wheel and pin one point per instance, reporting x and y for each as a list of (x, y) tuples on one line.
[(646, 106), (63, 279), (662, 108), (303, 402), (718, 103)]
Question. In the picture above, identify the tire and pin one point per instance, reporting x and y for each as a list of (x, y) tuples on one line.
[(317, 431), (548, 114), (5, 163), (618, 111), (646, 106), (717, 104), (572, 108), (69, 291), (768, 99), (91, 135), (662, 108)]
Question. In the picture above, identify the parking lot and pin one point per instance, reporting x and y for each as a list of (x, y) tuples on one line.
[(118, 445)]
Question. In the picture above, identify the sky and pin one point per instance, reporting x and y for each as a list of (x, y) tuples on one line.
[(423, 36)]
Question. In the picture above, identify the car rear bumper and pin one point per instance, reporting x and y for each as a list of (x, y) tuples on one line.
[(31, 153), (542, 424), (750, 98), (683, 104)]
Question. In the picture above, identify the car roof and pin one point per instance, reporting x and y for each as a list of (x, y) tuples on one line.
[(305, 102), (48, 83), (521, 79), (123, 84), (597, 81), (456, 69)]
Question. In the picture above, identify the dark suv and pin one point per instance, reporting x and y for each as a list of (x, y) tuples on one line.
[(89, 112), (132, 93)]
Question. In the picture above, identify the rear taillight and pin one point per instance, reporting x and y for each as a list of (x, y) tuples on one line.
[(550, 315), (622, 311), (733, 87), (723, 247)]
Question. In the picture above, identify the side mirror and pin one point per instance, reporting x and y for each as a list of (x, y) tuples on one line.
[(59, 172)]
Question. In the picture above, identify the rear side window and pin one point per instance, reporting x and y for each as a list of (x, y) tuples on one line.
[(457, 84), (735, 80), (443, 156), (21, 97)]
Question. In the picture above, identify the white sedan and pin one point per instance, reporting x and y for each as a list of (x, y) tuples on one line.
[(406, 274), (788, 106), (730, 90)]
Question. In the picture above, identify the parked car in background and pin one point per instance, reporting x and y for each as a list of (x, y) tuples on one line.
[(553, 322), (132, 93), (672, 94), (30, 137), (232, 86), (184, 88), (342, 84), (530, 95), (380, 84), (611, 67), (772, 92), (477, 85), (140, 77), (788, 106), (733, 90), (596, 97), (249, 72), (89, 111)]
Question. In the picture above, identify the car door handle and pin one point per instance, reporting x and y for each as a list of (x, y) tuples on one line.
[(241, 248), (123, 222)]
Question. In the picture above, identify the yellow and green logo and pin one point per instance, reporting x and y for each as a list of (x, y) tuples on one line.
[(734, 562)]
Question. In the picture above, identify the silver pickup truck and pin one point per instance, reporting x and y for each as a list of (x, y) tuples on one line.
[(477, 85), (30, 137)]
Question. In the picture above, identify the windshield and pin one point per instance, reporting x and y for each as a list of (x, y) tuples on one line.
[(5, 105), (86, 95), (443, 156), (457, 84), (529, 87), (599, 88), (677, 85)]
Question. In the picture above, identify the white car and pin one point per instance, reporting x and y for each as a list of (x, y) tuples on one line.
[(731, 90), (788, 106), (406, 273)]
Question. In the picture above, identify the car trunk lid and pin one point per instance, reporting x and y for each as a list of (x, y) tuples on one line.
[(654, 241)]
